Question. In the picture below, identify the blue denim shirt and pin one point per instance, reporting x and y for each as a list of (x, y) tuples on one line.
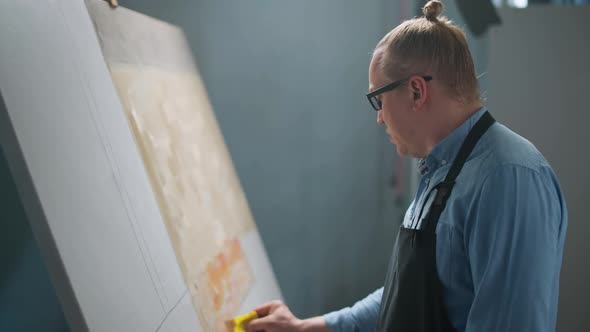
[(499, 240)]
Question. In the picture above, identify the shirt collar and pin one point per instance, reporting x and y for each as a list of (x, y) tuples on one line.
[(446, 150)]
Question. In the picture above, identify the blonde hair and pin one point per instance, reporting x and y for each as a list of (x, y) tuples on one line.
[(430, 45)]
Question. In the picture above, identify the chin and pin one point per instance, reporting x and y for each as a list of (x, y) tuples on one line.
[(403, 152)]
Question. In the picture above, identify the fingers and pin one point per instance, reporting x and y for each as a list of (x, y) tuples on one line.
[(260, 324), (274, 316), (268, 308)]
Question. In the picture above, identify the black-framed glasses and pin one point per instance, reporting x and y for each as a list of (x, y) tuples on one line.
[(372, 96)]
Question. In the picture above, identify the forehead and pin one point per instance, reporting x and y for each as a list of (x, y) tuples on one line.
[(376, 78)]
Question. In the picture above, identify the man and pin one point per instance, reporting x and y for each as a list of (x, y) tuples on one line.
[(481, 245)]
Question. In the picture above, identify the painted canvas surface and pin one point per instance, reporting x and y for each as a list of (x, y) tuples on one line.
[(196, 187)]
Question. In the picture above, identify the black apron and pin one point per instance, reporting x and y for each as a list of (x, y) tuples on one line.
[(413, 294)]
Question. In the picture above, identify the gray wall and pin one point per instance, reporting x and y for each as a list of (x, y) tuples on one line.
[(539, 87), (287, 81)]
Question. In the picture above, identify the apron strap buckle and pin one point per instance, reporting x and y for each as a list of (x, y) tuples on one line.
[(443, 191)]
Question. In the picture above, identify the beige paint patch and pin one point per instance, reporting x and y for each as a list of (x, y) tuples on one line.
[(196, 187)]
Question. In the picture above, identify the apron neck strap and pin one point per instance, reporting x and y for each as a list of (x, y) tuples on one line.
[(446, 186)]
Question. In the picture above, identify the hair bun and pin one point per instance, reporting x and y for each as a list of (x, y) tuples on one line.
[(432, 9)]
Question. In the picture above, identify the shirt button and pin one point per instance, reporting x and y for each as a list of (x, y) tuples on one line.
[(444, 162)]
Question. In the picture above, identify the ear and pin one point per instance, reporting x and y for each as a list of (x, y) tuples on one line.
[(419, 90)]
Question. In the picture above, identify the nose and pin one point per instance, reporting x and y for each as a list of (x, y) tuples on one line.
[(379, 118)]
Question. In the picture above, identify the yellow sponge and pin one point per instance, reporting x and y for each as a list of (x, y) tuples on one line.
[(237, 324)]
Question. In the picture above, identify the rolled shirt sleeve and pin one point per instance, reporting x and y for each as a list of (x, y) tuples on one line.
[(361, 317)]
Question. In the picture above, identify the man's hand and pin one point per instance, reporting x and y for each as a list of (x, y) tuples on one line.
[(275, 316)]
